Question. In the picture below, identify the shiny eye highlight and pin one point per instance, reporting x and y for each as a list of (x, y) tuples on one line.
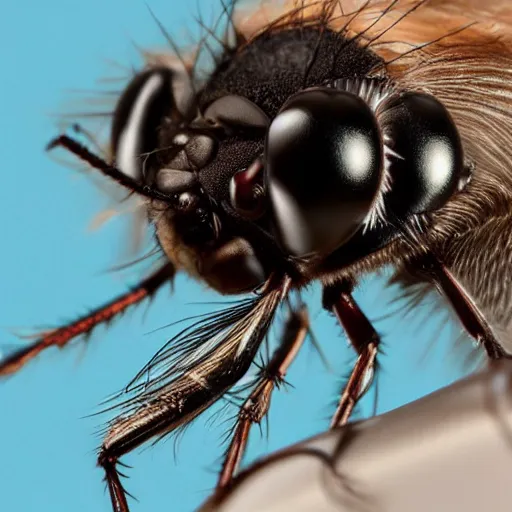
[(428, 167), (340, 162), (324, 163)]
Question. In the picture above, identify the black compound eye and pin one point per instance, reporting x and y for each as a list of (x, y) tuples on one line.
[(427, 167), (323, 169), (151, 97)]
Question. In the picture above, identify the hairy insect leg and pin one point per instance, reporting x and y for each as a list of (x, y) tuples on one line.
[(85, 324), (157, 412), (257, 404), (467, 311), (116, 490), (364, 339)]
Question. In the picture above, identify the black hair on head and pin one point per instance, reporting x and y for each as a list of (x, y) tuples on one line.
[(279, 63), (268, 70)]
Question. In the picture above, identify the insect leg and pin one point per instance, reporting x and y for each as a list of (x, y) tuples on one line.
[(363, 337), (256, 406), (85, 324), (157, 412), (467, 311)]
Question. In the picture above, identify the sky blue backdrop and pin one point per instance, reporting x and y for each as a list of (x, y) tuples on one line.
[(52, 268)]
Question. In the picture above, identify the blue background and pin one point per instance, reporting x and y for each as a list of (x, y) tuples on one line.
[(53, 268)]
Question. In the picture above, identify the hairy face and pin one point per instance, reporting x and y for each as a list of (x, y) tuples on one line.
[(295, 126), (326, 144), (329, 138)]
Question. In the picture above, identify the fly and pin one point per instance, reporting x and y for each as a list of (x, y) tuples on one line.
[(335, 140)]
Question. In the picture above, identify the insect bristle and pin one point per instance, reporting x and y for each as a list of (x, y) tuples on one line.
[(212, 346), (396, 89)]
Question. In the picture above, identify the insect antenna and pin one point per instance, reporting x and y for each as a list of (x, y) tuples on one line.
[(108, 170)]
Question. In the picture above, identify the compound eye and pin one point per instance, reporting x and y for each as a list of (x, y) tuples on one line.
[(323, 169), (152, 97), (427, 166)]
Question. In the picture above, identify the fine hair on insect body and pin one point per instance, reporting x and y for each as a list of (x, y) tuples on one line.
[(329, 140)]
